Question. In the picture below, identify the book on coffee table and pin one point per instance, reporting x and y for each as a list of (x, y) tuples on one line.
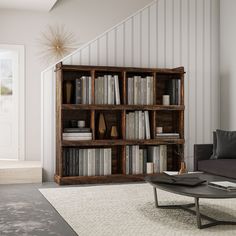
[(224, 185)]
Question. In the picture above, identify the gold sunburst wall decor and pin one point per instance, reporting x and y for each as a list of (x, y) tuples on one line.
[(55, 43)]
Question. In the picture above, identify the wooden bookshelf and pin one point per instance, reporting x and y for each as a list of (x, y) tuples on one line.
[(170, 117)]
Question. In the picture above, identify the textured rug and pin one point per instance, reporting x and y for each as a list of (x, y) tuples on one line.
[(129, 210)]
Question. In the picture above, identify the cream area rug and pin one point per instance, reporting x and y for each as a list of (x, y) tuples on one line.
[(128, 209)]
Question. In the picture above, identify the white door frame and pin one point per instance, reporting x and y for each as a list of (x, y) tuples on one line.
[(20, 49)]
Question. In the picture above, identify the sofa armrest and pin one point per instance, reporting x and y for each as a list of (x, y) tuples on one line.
[(202, 152)]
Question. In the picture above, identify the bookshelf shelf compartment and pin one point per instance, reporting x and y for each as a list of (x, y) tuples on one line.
[(70, 108)]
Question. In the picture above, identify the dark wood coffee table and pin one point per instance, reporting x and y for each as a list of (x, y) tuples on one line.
[(201, 191)]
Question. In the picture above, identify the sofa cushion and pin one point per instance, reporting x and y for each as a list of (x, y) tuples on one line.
[(213, 156), (226, 144), (222, 167)]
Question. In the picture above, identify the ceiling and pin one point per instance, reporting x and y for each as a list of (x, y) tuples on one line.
[(36, 5)]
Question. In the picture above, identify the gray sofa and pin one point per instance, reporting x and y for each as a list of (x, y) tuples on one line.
[(202, 162)]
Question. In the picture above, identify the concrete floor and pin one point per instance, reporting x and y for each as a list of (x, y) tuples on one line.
[(25, 212)]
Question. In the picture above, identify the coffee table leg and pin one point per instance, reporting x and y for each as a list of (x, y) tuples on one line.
[(155, 197), (198, 215)]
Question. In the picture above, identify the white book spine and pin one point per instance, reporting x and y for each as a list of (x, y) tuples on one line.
[(106, 162), (112, 90), (136, 78), (133, 160), (137, 159), (143, 126), (148, 81), (151, 91), (96, 91), (84, 92), (117, 90), (90, 90), (144, 88), (89, 162), (109, 89), (136, 124), (156, 159), (142, 91), (109, 161), (101, 161), (105, 90), (127, 126), (163, 158), (147, 125), (130, 91), (140, 128), (93, 162), (131, 122), (76, 138)]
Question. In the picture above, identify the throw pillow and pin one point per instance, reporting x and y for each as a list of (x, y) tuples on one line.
[(213, 156), (226, 144)]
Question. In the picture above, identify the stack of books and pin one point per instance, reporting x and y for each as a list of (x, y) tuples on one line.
[(74, 134), (87, 162), (107, 90), (173, 88), (168, 135), (83, 90), (140, 90), (137, 159), (137, 125)]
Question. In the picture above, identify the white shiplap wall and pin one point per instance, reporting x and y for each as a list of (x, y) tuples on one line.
[(166, 33)]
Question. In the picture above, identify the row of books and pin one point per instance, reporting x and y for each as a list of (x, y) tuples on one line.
[(83, 90), (168, 135), (140, 90), (173, 88), (137, 159), (74, 134), (87, 162), (107, 90), (138, 125)]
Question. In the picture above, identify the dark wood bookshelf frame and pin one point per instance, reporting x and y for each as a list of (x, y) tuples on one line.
[(175, 146)]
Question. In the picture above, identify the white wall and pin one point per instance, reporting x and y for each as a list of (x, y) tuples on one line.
[(167, 33), (86, 18), (228, 64)]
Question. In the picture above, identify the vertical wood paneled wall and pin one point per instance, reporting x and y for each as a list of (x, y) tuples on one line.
[(166, 33)]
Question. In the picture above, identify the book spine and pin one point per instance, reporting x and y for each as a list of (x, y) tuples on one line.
[(130, 160), (131, 123), (96, 91), (144, 161), (85, 169), (163, 158), (127, 126), (135, 90), (81, 162), (151, 91), (112, 90), (105, 89), (78, 91), (84, 90), (109, 89), (137, 159), (140, 127), (148, 81), (136, 125), (127, 160), (109, 161), (97, 162), (89, 90), (117, 90), (101, 161), (133, 160), (144, 88), (147, 125), (140, 161)]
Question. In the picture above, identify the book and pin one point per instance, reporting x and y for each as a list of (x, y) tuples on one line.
[(76, 138), (109, 89), (130, 90), (163, 158), (84, 89), (101, 161), (167, 135), (224, 185), (81, 162), (89, 86), (77, 130), (147, 125), (127, 160), (77, 134), (148, 87), (117, 90), (78, 91), (105, 89)]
